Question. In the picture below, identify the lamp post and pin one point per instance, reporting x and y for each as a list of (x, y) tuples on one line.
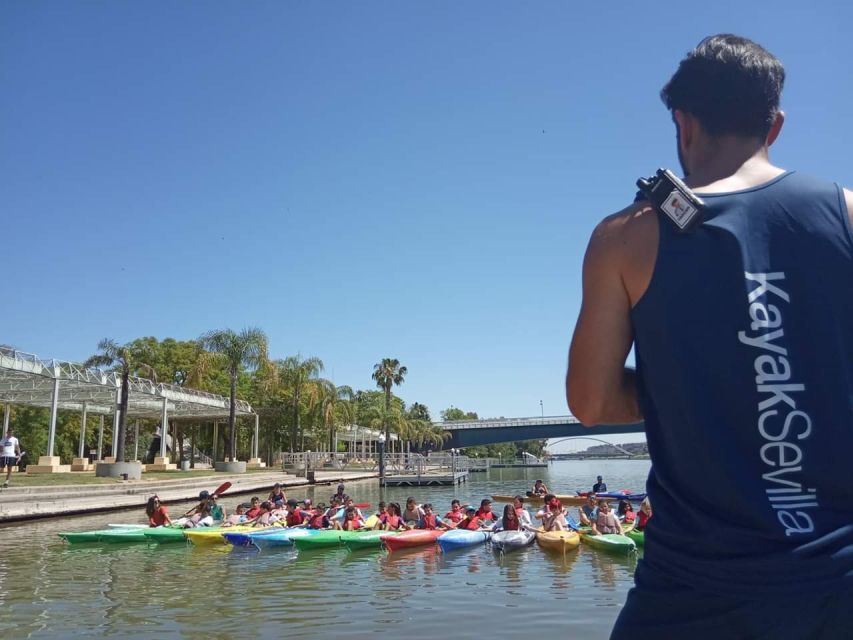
[(453, 463), (541, 409), (381, 459)]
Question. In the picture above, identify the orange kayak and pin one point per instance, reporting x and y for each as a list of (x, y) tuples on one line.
[(410, 538)]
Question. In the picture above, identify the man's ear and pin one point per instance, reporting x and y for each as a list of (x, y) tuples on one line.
[(686, 124), (775, 128)]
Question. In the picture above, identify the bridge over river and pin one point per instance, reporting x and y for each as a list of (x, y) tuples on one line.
[(476, 432)]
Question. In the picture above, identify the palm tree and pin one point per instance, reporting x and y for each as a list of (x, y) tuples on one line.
[(335, 408), (121, 357), (296, 373), (386, 374), (248, 348)]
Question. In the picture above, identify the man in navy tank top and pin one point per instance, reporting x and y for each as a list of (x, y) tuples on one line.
[(743, 336)]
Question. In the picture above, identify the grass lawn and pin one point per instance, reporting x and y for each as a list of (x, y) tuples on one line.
[(88, 477)]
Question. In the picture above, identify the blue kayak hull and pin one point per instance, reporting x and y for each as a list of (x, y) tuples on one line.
[(458, 539)]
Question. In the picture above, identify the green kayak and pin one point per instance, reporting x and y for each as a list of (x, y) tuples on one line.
[(610, 542), (162, 535), (82, 537), (639, 537), (122, 536), (355, 540), (323, 539)]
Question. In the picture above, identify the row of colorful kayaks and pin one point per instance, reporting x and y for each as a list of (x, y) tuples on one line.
[(504, 541)]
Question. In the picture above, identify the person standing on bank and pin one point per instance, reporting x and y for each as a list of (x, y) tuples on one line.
[(743, 334), (10, 455)]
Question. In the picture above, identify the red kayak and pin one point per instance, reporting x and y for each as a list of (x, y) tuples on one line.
[(411, 538)]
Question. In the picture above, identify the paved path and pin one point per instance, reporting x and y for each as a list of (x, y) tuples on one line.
[(25, 503)]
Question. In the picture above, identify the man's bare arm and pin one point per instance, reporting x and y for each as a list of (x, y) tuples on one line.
[(599, 388), (848, 197)]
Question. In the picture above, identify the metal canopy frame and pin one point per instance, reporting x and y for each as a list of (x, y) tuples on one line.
[(26, 379)]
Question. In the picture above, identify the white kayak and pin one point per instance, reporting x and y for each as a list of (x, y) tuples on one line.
[(511, 540)]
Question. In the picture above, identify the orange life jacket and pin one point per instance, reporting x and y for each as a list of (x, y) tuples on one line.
[(294, 518)]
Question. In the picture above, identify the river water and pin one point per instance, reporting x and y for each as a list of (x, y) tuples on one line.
[(49, 589)]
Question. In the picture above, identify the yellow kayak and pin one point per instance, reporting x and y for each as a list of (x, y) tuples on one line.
[(213, 535), (558, 540)]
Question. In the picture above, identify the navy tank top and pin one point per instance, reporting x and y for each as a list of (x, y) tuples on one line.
[(744, 350)]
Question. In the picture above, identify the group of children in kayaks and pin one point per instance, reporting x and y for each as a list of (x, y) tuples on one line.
[(343, 514)]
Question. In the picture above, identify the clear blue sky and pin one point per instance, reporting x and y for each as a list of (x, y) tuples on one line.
[(361, 180)]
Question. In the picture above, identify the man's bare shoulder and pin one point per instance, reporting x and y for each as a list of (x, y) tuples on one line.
[(629, 240)]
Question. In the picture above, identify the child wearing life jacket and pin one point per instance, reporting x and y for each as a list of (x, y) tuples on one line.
[(255, 509), (393, 518), (430, 520), (509, 521), (553, 514), (470, 522), (607, 522), (644, 515), (521, 512), (265, 517), (351, 521), (485, 514), (456, 514), (625, 513), (295, 517), (318, 518)]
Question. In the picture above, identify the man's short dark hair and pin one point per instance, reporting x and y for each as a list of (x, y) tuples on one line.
[(730, 84)]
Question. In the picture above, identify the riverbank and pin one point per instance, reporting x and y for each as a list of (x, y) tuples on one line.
[(19, 503)]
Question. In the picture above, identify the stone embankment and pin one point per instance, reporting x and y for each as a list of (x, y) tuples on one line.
[(25, 503)]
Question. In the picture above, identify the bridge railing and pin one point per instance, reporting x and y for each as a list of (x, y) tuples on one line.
[(507, 422)]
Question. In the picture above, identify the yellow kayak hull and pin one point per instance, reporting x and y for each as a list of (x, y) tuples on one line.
[(558, 540), (213, 535)]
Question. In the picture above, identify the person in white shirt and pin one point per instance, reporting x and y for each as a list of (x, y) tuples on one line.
[(10, 455)]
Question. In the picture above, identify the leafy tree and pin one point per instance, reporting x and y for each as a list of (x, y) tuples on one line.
[(225, 346), (419, 411), (387, 373), (296, 374), (454, 414), (123, 359)]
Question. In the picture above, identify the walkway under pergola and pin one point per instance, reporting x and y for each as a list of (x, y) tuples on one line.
[(58, 385)]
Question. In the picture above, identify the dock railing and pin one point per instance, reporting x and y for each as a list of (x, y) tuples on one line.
[(395, 463)]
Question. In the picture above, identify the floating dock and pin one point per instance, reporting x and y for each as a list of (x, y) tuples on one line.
[(426, 479)]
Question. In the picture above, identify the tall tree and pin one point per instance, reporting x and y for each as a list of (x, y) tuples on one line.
[(335, 408), (122, 358), (388, 373), (296, 374), (248, 348)]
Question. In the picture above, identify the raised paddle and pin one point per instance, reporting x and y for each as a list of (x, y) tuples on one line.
[(222, 488)]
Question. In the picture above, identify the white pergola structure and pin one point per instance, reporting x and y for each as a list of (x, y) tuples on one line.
[(355, 435), (26, 379)]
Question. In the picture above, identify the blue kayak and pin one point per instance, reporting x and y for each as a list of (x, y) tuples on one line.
[(615, 495), (459, 538), (272, 537)]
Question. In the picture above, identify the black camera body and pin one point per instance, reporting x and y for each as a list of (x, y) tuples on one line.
[(674, 199)]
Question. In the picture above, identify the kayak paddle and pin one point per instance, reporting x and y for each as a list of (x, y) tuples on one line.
[(222, 488)]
